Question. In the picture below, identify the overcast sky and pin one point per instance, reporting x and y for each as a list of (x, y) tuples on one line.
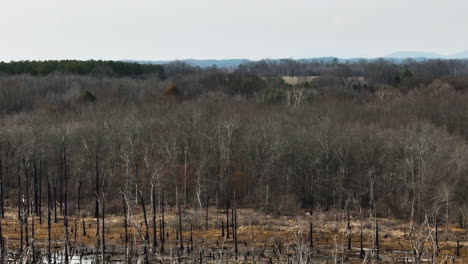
[(220, 29)]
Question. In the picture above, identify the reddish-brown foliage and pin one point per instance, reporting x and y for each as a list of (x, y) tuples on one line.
[(171, 91)]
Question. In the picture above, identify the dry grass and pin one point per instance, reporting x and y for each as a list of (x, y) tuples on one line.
[(260, 235)]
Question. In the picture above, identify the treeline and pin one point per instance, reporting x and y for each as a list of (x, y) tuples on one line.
[(397, 154), (90, 67), (328, 143)]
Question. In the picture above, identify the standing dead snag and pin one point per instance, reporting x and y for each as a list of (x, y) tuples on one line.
[(41, 168), (124, 204), (222, 228), (191, 238), (311, 235), (235, 230), (96, 165), (361, 251), (146, 226), (49, 223), (103, 231), (227, 218), (20, 205), (377, 242), (155, 240), (180, 230), (436, 236), (2, 193), (162, 233), (349, 231), (207, 206), (65, 212)]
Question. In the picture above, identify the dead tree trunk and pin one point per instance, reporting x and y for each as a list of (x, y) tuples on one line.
[(180, 230), (227, 218), (146, 226), (361, 251), (207, 207), (78, 198), (235, 230), (41, 171), (222, 228), (155, 240), (162, 228), (64, 181), (124, 204), (377, 242), (20, 207), (349, 231), (36, 188), (311, 235), (191, 238), (96, 166), (49, 224), (103, 229), (2, 193), (436, 236)]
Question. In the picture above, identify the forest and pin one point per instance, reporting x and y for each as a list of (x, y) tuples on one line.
[(111, 146)]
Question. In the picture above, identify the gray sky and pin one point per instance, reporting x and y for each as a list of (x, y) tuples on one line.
[(220, 29)]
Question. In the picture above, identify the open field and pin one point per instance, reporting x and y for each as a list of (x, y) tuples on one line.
[(261, 238)]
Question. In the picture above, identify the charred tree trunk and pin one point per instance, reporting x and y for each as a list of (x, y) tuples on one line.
[(222, 228), (103, 229), (155, 240), (311, 234), (207, 207), (349, 231), (163, 224), (26, 187), (41, 171), (96, 210), (180, 230), (78, 199), (84, 227), (235, 230), (55, 199), (191, 238), (124, 204), (36, 188), (377, 242), (146, 226), (49, 223), (437, 236), (361, 251), (65, 201), (20, 207), (2, 190), (227, 218)]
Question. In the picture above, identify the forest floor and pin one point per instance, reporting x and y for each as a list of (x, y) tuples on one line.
[(262, 238)]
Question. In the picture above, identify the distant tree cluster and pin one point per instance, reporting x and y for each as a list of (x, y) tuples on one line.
[(91, 67)]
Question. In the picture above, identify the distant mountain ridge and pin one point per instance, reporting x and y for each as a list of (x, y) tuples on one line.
[(396, 57), (426, 55)]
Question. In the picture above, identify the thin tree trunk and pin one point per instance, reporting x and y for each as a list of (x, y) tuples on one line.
[(227, 218), (103, 229), (207, 207), (2, 194), (49, 224), (377, 242), (311, 234), (180, 230), (349, 231), (65, 201), (146, 226), (155, 240)]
